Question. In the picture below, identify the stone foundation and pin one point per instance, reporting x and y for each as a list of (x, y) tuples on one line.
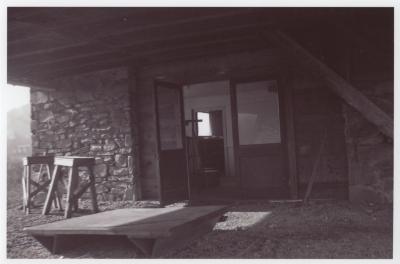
[(89, 115)]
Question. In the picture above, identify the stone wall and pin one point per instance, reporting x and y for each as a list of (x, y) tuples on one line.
[(370, 153), (89, 115)]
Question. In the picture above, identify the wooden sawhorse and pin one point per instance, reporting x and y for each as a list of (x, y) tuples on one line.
[(27, 180), (73, 194)]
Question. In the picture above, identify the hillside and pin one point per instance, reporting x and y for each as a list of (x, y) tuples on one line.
[(18, 124), (18, 146)]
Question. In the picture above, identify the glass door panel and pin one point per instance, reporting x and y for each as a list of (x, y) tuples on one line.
[(258, 113)]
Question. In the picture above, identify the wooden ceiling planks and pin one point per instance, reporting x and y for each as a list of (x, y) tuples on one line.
[(139, 45), (118, 30), (149, 55), (49, 42), (158, 38)]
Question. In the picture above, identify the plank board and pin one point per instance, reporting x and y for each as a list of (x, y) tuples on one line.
[(338, 85), (135, 222)]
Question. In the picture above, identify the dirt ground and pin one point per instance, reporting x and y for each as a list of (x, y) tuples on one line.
[(250, 229)]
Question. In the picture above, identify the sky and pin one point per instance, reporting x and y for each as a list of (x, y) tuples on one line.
[(15, 96)]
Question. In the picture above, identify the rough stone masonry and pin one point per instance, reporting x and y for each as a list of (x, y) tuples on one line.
[(89, 115)]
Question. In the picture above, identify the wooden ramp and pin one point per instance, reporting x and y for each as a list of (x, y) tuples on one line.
[(153, 230)]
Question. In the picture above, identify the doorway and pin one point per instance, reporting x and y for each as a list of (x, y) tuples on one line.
[(210, 146), (228, 134), (209, 138)]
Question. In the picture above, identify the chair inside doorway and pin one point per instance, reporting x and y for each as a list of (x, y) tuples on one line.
[(209, 139), (210, 149)]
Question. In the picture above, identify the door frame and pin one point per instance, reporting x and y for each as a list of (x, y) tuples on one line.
[(285, 119), (179, 87)]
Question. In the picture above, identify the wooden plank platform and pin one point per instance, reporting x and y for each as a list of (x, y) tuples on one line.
[(153, 230)]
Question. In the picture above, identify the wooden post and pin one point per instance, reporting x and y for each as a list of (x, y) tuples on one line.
[(28, 189), (57, 201), (290, 139), (53, 186), (315, 167), (337, 84), (92, 183), (134, 168), (235, 135), (24, 196), (72, 177)]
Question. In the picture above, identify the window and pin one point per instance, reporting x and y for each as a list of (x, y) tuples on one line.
[(204, 126), (258, 113)]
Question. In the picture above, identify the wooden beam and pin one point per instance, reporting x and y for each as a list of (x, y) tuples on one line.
[(134, 100), (338, 85), (364, 41), (42, 79), (137, 44), (116, 58), (204, 52), (104, 18), (20, 13), (157, 59), (290, 136), (71, 17), (123, 33)]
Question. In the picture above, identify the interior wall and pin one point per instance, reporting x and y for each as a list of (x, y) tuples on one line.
[(207, 97)]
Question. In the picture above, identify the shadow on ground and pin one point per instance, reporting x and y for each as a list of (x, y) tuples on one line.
[(251, 229)]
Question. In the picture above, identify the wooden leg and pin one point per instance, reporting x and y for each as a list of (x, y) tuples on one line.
[(49, 169), (49, 176), (40, 175), (46, 241), (74, 188), (57, 194), (23, 181), (72, 175), (52, 188), (183, 236), (58, 200), (28, 189), (146, 246), (93, 189), (57, 244), (39, 187)]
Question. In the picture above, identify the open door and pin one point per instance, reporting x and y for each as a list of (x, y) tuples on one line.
[(259, 145), (171, 143)]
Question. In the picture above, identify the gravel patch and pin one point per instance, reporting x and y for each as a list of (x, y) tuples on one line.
[(250, 229)]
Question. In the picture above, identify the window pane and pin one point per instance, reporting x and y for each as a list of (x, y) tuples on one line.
[(204, 125), (258, 113), (169, 115)]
